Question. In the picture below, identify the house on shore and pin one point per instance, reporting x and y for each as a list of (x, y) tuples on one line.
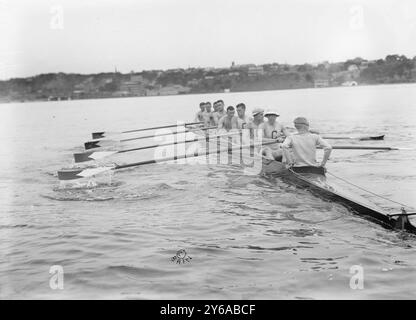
[(255, 71), (321, 83)]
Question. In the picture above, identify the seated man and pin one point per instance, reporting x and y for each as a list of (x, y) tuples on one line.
[(208, 115), (229, 121), (199, 117), (273, 130), (219, 111), (299, 149), (242, 119)]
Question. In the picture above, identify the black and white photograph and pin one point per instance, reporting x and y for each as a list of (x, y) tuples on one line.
[(180, 150)]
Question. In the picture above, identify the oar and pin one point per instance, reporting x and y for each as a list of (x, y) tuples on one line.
[(368, 148), (362, 138), (72, 174), (101, 134), (96, 155), (108, 142), (330, 137)]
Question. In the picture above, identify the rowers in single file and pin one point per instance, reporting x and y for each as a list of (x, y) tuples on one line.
[(300, 148), (272, 129), (229, 121)]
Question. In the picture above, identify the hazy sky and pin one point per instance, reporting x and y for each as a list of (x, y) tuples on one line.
[(85, 36)]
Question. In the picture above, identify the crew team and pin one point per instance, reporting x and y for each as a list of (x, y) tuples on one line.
[(297, 149)]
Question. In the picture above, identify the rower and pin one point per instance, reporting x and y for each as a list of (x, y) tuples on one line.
[(242, 119), (229, 121), (220, 112), (276, 131), (256, 121), (208, 115), (199, 117), (303, 146)]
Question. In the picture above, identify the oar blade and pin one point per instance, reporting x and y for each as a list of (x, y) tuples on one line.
[(73, 174), (100, 143), (104, 134), (92, 155), (381, 137), (82, 156), (98, 135)]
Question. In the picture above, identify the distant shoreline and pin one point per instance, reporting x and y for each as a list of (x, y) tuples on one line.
[(202, 93)]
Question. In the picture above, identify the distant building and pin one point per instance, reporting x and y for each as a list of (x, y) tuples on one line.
[(174, 89), (209, 77), (234, 74), (255, 71), (321, 83), (349, 83), (192, 82), (132, 87), (136, 78)]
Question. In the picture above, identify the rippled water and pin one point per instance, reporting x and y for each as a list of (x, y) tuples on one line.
[(249, 237)]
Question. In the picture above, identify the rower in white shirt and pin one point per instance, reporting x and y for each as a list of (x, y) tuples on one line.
[(256, 121), (242, 119), (273, 130), (300, 148)]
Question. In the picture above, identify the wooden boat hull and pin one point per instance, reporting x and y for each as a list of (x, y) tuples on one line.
[(316, 182)]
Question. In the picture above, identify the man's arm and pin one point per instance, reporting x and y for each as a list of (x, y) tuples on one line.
[(327, 150), (285, 131), (287, 156), (220, 122)]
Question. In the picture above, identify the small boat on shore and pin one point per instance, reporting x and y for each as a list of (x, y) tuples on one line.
[(314, 180)]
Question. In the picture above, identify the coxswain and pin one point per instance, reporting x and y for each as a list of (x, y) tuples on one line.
[(300, 148)]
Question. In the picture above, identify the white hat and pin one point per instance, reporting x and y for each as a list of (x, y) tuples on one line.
[(257, 111), (271, 112)]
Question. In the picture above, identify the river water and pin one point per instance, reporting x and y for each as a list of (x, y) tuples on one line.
[(249, 237)]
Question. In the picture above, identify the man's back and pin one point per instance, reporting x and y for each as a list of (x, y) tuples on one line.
[(304, 146)]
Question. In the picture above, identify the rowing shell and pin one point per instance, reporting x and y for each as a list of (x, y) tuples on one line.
[(314, 180)]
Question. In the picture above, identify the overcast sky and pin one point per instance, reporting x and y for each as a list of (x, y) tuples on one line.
[(84, 36)]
